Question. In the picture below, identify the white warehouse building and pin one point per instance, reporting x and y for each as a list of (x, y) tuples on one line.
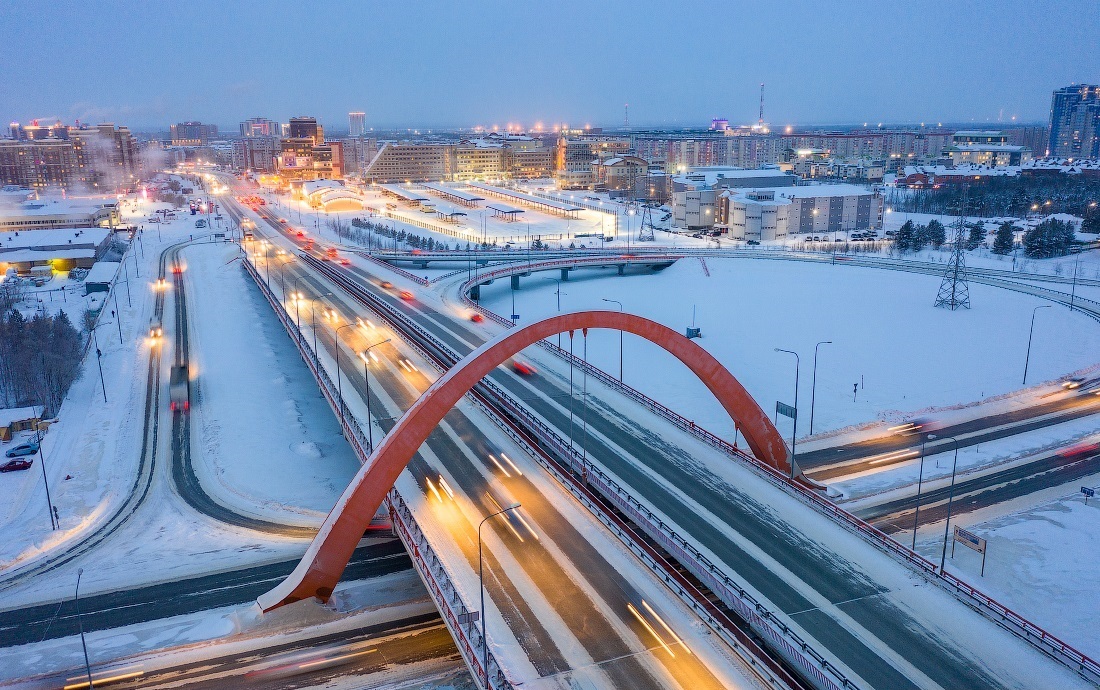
[(810, 209), (756, 215)]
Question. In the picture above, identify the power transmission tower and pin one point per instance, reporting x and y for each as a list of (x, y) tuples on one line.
[(954, 292), (645, 233)]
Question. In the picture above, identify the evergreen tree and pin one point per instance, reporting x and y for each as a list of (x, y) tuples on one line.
[(936, 233), (920, 237), (904, 239), (1091, 223), (1004, 239), (976, 236), (1052, 237)]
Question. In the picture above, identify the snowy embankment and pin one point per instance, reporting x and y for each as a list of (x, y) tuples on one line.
[(892, 352), (264, 441)]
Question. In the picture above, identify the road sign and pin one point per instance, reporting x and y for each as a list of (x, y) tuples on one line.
[(468, 618), (786, 410), (970, 541), (1089, 493)]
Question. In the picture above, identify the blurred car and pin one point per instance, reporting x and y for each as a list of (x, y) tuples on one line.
[(155, 331), (477, 317), (27, 448), (1073, 383), (406, 295), (914, 426), (385, 284), (16, 465), (523, 368), (1080, 450), (345, 261), (283, 221)]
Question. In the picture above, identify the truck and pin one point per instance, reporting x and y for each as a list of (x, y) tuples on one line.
[(179, 389)]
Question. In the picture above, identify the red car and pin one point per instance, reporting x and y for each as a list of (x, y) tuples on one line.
[(406, 295), (16, 465), (523, 368), (283, 221), (477, 318), (1080, 450)]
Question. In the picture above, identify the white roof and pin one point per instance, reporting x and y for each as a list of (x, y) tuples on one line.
[(16, 414), (53, 237), (313, 186), (21, 256), (51, 206), (711, 175), (102, 272), (819, 190)]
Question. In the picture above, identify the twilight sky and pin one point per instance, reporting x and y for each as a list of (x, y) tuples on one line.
[(436, 63)]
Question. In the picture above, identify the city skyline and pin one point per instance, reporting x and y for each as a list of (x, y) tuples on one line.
[(441, 67)]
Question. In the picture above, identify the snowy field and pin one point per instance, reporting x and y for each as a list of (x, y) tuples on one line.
[(903, 354)]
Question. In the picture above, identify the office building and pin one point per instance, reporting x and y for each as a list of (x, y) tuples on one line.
[(411, 162), (103, 157), (260, 127), (1075, 122), (357, 124), (256, 153), (820, 210), (990, 148), (575, 154), (306, 128), (193, 134)]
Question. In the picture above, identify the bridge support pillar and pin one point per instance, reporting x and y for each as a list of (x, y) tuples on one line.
[(622, 269), (475, 293), (515, 281), (565, 274), (424, 265)]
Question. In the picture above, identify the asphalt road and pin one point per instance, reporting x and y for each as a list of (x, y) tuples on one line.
[(376, 654), (178, 597), (825, 464), (980, 492)]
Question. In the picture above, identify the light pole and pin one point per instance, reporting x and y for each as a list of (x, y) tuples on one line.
[(1073, 291), (558, 293), (1030, 333), (813, 386), (620, 337), (481, 580), (339, 388), (99, 358), (950, 496), (920, 480), (366, 376), (42, 461), (313, 319), (80, 623), (794, 431)]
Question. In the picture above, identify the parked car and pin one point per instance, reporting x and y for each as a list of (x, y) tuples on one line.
[(28, 448), (15, 465)]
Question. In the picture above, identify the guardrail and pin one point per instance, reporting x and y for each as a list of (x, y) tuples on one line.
[(390, 267), (427, 564), (986, 605), (446, 597)]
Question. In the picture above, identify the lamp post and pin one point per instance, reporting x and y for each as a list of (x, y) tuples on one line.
[(1073, 291), (339, 387), (366, 376), (920, 481), (558, 293), (950, 497), (1030, 333), (42, 461), (99, 358), (80, 624), (481, 580), (794, 431), (620, 337), (813, 386), (313, 319)]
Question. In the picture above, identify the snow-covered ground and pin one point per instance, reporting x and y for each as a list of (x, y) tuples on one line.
[(1040, 562), (902, 353), (258, 412)]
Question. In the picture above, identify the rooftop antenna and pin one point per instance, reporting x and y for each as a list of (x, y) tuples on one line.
[(626, 116), (761, 120)]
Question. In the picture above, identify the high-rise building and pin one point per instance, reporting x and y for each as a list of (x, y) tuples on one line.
[(103, 157), (1075, 122), (306, 128), (193, 134), (357, 124), (260, 127)]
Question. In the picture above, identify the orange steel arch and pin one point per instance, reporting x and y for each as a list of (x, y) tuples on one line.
[(324, 562)]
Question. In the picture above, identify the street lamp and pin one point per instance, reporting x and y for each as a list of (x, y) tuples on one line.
[(313, 319), (920, 481), (558, 293), (339, 388), (1030, 333), (481, 580), (620, 337), (950, 496), (80, 623), (365, 356), (42, 461), (794, 431), (99, 357), (813, 386)]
